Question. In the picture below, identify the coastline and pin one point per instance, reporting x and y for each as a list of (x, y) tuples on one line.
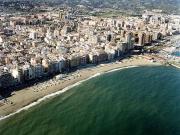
[(175, 66), (27, 98)]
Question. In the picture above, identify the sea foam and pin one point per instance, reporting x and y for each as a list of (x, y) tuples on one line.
[(120, 69)]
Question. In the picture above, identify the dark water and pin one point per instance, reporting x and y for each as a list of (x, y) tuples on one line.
[(136, 101)]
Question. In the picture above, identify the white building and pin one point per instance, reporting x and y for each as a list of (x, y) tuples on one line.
[(61, 63), (28, 72), (33, 35), (110, 51)]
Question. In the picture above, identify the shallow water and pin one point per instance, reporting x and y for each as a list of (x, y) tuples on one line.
[(135, 101)]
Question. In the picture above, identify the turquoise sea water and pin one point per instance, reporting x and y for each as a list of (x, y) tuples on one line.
[(177, 53), (135, 101)]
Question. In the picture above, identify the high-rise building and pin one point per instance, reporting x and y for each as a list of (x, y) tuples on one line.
[(33, 35)]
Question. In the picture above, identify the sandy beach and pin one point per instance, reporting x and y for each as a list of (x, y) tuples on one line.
[(24, 97)]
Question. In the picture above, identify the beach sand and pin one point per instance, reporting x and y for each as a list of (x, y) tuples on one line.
[(29, 95)]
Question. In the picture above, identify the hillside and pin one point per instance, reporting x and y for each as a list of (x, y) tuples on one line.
[(134, 5), (166, 5)]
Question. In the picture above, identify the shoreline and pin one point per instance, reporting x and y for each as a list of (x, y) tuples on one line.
[(176, 66), (27, 98)]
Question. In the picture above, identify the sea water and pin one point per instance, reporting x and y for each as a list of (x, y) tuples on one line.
[(134, 101)]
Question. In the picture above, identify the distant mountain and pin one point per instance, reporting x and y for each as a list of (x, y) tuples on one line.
[(166, 5), (125, 4)]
